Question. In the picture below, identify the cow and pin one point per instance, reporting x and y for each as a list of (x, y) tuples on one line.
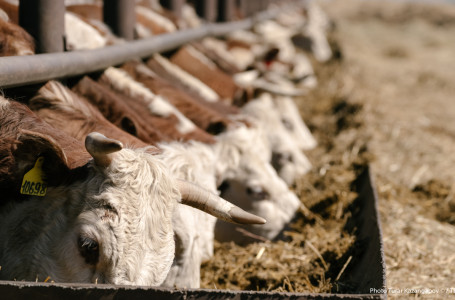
[(249, 180), (11, 11), (58, 106), (14, 40), (109, 221), (150, 22), (168, 117), (115, 109), (198, 65), (198, 112), (287, 158), (193, 231)]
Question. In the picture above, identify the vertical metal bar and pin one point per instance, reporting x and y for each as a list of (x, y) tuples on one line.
[(207, 9), (120, 16), (174, 5), (44, 20), (241, 6), (226, 10)]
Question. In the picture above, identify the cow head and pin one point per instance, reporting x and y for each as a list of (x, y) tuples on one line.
[(112, 223), (287, 157), (248, 180)]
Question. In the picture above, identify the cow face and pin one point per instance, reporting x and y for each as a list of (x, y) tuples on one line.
[(256, 187), (293, 123), (123, 232), (107, 222), (287, 158)]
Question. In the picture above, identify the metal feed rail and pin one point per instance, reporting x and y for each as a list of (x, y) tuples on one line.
[(23, 70)]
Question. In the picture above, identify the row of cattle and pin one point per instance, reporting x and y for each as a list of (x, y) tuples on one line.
[(119, 177)]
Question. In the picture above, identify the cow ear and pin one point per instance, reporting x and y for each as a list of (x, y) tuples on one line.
[(33, 145)]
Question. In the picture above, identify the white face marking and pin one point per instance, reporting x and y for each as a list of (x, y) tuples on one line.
[(219, 47), (3, 102), (187, 79), (190, 16), (201, 57), (161, 106), (80, 35), (243, 57), (142, 31), (4, 15), (156, 104), (156, 18)]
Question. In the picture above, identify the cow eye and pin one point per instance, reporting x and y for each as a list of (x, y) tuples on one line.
[(89, 249), (258, 193)]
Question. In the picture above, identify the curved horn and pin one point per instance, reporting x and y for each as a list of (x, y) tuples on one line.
[(200, 198), (100, 148)]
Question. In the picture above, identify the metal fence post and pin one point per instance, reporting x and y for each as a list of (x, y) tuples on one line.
[(174, 5), (226, 10), (44, 20), (120, 16), (207, 9)]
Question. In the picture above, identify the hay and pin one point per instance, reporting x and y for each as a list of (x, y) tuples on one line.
[(315, 251)]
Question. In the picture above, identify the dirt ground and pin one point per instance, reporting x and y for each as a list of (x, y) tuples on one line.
[(399, 64), (389, 101)]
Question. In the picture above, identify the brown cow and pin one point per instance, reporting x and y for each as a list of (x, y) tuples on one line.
[(14, 40), (197, 64), (116, 110), (168, 71), (60, 107), (203, 116), (167, 119), (23, 138)]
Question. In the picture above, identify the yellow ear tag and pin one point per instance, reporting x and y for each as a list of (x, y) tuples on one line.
[(33, 182)]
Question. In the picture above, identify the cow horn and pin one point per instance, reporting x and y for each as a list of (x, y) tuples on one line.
[(100, 148), (200, 198)]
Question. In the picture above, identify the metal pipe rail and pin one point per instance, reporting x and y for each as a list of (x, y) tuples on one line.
[(23, 70)]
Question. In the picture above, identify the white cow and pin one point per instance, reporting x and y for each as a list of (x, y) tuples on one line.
[(249, 181), (194, 230)]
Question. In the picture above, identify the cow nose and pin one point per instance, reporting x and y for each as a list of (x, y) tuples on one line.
[(279, 159)]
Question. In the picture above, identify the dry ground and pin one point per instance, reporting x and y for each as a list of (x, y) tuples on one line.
[(390, 102), (399, 63)]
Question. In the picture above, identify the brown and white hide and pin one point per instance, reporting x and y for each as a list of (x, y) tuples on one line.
[(14, 40), (22, 141), (203, 116), (63, 109), (168, 119), (115, 109), (197, 64)]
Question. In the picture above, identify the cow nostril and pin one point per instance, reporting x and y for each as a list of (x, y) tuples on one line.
[(277, 161), (290, 158), (223, 186)]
